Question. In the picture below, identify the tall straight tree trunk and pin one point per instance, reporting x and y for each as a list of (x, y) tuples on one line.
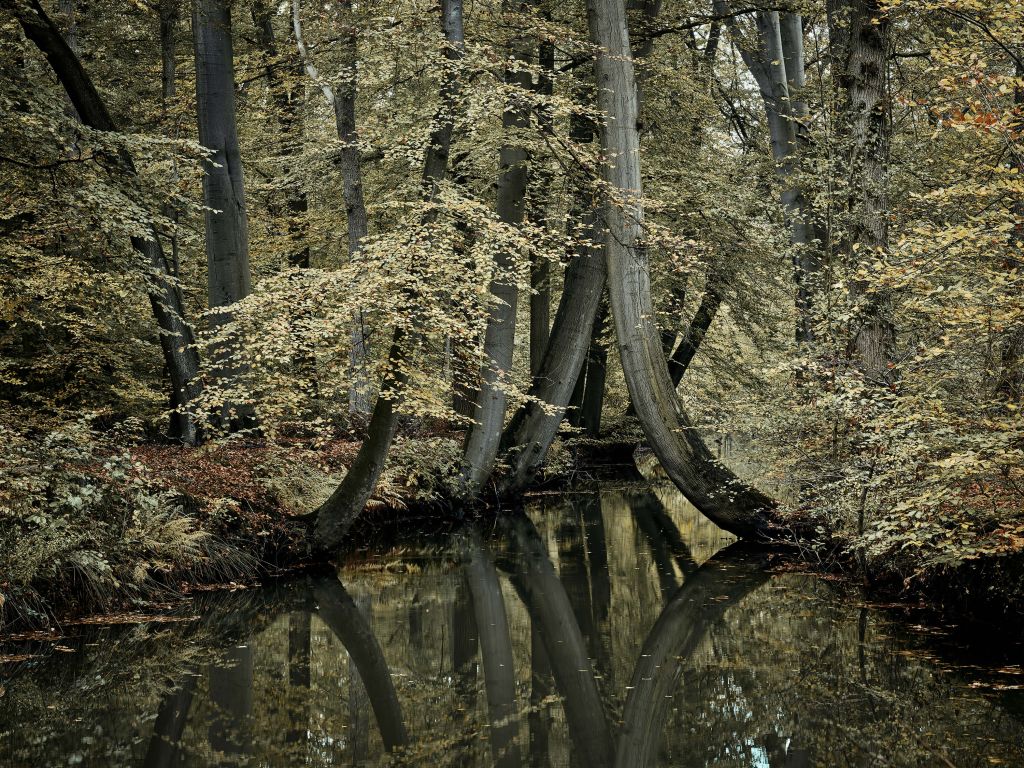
[(711, 487), (484, 436), (227, 228), (336, 515), (778, 68), (864, 80), (343, 101), (349, 162), (176, 338), (540, 181)]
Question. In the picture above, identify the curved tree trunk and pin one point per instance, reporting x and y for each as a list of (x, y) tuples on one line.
[(176, 338), (535, 426), (723, 581), (337, 514), (551, 612), (340, 613), (709, 486), (484, 436)]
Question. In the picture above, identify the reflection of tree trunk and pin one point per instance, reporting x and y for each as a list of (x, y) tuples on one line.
[(231, 696), (358, 705), (464, 645), (171, 718), (721, 582), (340, 613), (552, 613), (539, 719), (298, 675), (495, 651), (600, 583)]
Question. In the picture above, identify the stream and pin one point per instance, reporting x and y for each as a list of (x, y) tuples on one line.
[(610, 626)]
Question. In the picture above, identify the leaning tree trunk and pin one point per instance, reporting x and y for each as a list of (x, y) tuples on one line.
[(339, 512), (484, 436), (683, 354), (711, 487), (176, 338), (227, 228), (540, 182)]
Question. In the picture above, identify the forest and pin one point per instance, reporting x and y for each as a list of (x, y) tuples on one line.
[(275, 276)]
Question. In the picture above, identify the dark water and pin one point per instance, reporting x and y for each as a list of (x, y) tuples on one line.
[(611, 628)]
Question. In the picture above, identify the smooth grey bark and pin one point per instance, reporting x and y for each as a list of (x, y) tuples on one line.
[(710, 486), (534, 427), (484, 437), (495, 651), (552, 613), (339, 512), (721, 582), (343, 101), (864, 81), (170, 15), (540, 183), (778, 68), (171, 718), (227, 228), (228, 276), (343, 617), (177, 341)]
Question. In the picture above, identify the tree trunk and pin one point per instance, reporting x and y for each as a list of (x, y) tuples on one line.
[(484, 436), (680, 359), (349, 163), (709, 486), (540, 181), (867, 108), (535, 426), (176, 338), (337, 514), (227, 229), (597, 373)]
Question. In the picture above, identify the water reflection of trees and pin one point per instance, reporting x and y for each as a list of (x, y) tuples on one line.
[(606, 634)]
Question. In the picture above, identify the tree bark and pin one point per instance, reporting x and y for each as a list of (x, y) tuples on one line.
[(534, 427), (227, 228), (484, 436), (340, 511), (683, 354), (867, 109), (176, 338), (540, 181), (711, 487)]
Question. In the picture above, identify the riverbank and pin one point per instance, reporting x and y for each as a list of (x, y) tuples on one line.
[(95, 523)]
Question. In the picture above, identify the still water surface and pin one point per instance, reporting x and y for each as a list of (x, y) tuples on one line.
[(612, 627)]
